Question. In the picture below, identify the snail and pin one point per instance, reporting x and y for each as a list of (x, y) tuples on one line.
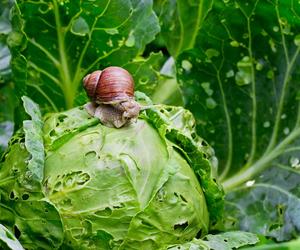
[(112, 96)]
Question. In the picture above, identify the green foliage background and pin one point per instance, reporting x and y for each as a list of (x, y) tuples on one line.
[(233, 63)]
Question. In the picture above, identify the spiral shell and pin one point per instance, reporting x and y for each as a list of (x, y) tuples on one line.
[(113, 84)]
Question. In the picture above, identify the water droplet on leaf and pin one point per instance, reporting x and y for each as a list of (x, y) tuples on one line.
[(207, 89), (210, 53), (112, 31), (210, 103), (286, 131), (297, 40), (130, 42), (230, 73), (243, 76), (267, 124), (186, 65), (80, 27), (295, 162), (234, 44), (250, 183)]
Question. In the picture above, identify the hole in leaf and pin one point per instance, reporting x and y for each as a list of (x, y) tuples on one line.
[(25, 197), (199, 234), (121, 205), (52, 133), (204, 143), (12, 195), (106, 212), (181, 226), (62, 117), (90, 154), (183, 199), (17, 232), (145, 223), (274, 227)]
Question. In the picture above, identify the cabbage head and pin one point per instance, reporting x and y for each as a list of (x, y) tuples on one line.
[(68, 182)]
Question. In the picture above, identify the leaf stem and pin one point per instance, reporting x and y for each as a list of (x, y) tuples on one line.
[(229, 130), (281, 102), (69, 93), (254, 102), (259, 165)]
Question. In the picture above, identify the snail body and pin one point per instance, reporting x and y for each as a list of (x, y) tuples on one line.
[(112, 94)]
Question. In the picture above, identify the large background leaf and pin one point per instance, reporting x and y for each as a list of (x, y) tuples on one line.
[(180, 21), (6, 87), (242, 83), (65, 40)]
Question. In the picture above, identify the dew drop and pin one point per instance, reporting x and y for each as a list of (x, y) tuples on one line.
[(297, 40), (230, 73), (210, 103), (234, 43), (275, 28), (295, 162), (238, 111), (267, 124), (270, 74), (245, 35), (259, 66), (110, 43), (250, 183), (207, 89), (130, 42), (272, 45), (186, 65), (243, 76), (283, 116), (210, 53), (112, 31), (286, 131)]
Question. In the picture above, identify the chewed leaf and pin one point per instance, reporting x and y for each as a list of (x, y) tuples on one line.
[(8, 239), (65, 40), (178, 126), (33, 130), (242, 84), (268, 205), (223, 241)]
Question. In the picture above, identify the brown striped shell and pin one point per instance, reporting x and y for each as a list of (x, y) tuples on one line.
[(113, 84)]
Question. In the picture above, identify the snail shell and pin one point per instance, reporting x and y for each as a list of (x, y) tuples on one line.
[(112, 85)]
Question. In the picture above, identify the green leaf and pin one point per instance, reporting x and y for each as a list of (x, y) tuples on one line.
[(223, 241), (178, 126), (33, 130), (65, 40), (23, 210), (145, 72), (5, 25), (180, 21), (6, 115), (4, 62), (139, 173), (168, 92), (241, 84), (8, 239), (269, 204), (291, 245)]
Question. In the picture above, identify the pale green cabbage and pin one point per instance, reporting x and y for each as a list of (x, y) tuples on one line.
[(87, 186)]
